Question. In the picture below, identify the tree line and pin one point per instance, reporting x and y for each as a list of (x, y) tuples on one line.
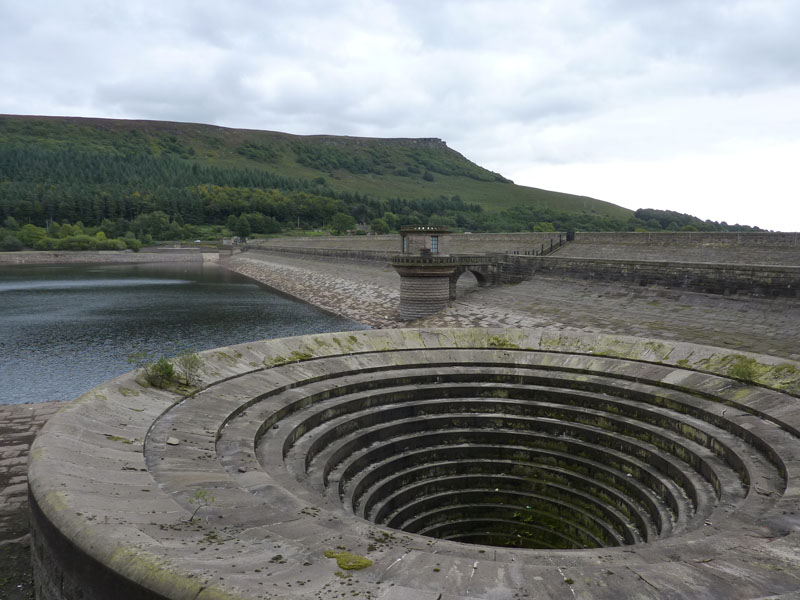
[(147, 197)]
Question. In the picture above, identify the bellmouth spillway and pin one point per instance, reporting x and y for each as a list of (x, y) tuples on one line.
[(442, 463)]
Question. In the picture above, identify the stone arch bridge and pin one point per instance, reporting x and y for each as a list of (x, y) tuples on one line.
[(486, 272), (428, 279)]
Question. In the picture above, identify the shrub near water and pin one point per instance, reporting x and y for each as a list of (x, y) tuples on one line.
[(188, 364), (162, 373), (61, 237), (9, 243), (158, 373), (87, 242)]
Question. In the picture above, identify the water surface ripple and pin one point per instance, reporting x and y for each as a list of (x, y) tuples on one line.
[(67, 328)]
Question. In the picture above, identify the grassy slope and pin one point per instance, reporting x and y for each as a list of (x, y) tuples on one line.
[(279, 153)]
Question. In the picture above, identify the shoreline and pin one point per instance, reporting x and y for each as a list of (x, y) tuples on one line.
[(46, 257), (281, 292)]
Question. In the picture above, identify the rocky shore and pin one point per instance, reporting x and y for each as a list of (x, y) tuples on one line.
[(365, 292)]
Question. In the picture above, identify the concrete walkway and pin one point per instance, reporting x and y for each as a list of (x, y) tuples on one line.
[(19, 424), (748, 324)]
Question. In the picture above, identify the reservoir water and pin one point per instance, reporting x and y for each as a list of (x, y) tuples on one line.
[(67, 328)]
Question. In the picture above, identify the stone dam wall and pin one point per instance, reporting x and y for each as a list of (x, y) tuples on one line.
[(684, 247), (110, 256), (381, 256), (462, 243), (757, 264), (710, 278), (754, 239), (729, 248)]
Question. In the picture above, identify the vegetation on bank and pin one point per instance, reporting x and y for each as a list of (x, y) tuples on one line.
[(62, 237), (144, 181), (182, 370)]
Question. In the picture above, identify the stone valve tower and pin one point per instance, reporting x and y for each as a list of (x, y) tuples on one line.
[(425, 270), (429, 273)]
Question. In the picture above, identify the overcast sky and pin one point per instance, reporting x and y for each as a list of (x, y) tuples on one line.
[(684, 105)]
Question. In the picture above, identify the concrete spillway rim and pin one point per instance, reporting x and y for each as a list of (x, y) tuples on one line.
[(104, 430)]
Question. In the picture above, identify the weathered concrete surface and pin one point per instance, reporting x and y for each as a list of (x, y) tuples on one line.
[(759, 325), (19, 424), (117, 475)]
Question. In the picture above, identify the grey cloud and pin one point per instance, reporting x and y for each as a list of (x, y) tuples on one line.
[(506, 82)]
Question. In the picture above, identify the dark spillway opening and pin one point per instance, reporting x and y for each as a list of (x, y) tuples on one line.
[(516, 457), (494, 487)]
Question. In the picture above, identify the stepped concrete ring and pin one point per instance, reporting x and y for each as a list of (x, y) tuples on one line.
[(428, 464)]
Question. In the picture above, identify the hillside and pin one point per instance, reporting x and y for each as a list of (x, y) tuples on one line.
[(178, 180)]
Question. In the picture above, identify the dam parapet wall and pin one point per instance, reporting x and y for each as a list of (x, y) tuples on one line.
[(689, 247)]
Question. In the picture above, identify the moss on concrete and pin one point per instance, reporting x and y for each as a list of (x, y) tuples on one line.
[(348, 561), (497, 341), (224, 357), (783, 376), (745, 368), (659, 349), (296, 355), (275, 361)]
